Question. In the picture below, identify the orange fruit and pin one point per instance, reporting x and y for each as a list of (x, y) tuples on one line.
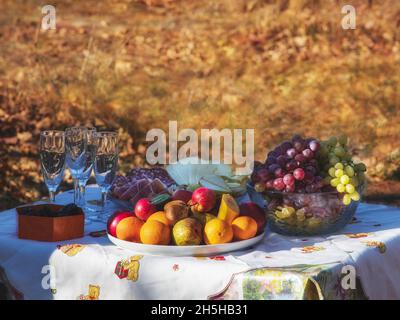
[(228, 209), (129, 229), (217, 231), (159, 216), (244, 228), (155, 232)]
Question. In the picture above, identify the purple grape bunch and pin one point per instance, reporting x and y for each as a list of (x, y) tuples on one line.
[(291, 167)]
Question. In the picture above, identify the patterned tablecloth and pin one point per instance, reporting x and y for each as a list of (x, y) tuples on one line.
[(362, 261)]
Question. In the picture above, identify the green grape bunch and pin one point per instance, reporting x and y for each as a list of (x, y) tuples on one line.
[(340, 170)]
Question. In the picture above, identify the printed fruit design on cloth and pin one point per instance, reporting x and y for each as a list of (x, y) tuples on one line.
[(308, 183), (203, 219)]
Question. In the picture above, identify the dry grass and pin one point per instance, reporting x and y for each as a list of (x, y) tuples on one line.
[(279, 67)]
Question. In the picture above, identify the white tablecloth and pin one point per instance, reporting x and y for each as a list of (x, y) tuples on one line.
[(85, 267)]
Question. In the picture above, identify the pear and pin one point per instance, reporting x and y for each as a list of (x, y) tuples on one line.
[(176, 210)]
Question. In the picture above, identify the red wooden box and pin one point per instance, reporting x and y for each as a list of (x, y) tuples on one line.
[(49, 228)]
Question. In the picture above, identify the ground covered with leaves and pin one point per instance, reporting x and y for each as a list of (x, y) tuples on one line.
[(278, 66)]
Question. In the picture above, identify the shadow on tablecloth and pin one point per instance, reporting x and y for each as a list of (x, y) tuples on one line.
[(7, 291)]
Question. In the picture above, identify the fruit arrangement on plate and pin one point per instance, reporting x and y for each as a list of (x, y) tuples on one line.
[(186, 218), (311, 187), (190, 173)]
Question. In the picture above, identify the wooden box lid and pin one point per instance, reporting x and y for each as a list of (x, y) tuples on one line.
[(38, 226)]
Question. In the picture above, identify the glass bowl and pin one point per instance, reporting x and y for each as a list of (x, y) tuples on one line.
[(307, 214)]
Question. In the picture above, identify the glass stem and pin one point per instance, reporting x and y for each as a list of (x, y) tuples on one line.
[(52, 196), (76, 191), (102, 213), (103, 199), (82, 192)]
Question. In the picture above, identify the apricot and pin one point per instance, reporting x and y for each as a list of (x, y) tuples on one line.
[(217, 231), (161, 217), (244, 228), (129, 229), (155, 232)]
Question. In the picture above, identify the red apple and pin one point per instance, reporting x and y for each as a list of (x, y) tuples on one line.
[(183, 195), (254, 211), (203, 199), (144, 209), (114, 219)]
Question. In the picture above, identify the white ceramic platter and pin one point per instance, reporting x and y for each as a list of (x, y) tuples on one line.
[(179, 251)]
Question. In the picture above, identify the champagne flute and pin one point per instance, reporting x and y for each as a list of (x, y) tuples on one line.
[(87, 171), (105, 165), (76, 145), (52, 159)]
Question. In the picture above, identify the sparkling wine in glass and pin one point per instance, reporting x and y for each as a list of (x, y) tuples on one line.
[(52, 159), (87, 170), (105, 165), (76, 146)]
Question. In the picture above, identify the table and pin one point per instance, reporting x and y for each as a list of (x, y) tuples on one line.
[(278, 267)]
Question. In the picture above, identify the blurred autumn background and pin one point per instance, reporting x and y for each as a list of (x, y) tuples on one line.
[(278, 66)]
